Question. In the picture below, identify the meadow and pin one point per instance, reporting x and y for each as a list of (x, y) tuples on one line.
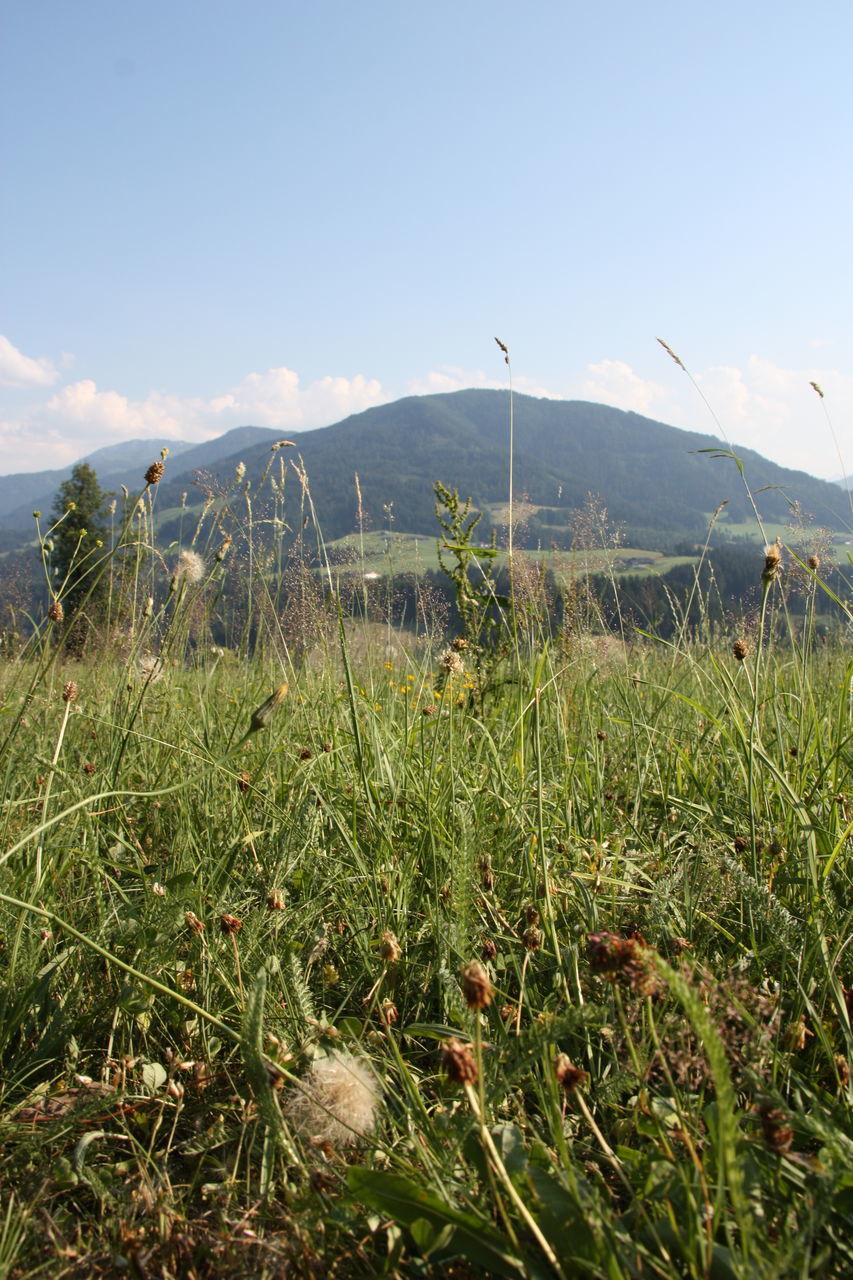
[(521, 951)]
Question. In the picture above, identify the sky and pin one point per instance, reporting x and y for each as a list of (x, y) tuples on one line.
[(281, 213)]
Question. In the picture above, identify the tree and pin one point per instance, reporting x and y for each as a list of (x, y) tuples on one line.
[(79, 532)]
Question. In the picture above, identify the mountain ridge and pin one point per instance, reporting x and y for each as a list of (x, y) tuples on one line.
[(650, 475)]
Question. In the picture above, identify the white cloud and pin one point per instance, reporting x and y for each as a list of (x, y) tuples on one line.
[(18, 370), (615, 382), (761, 405), (451, 378), (80, 418)]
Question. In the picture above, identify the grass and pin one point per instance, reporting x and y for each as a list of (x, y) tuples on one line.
[(444, 962)]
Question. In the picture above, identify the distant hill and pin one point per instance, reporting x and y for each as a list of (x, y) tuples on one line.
[(116, 464), (653, 478)]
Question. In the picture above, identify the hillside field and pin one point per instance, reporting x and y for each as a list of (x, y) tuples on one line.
[(411, 955)]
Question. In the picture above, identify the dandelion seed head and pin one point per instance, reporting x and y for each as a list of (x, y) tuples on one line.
[(338, 1101), (189, 569)]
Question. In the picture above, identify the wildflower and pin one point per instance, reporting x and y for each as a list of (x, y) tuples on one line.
[(69, 691), (189, 569), (389, 948), (458, 1061), (476, 987), (56, 612), (337, 1103), (158, 890), (568, 1075), (264, 713), (230, 924), (154, 473)]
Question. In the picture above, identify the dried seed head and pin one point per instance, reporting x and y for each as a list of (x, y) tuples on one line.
[(154, 473), (337, 1103), (476, 987), (625, 960), (778, 1134), (451, 663), (568, 1075), (814, 563), (275, 902), (428, 710), (772, 561), (193, 922), (489, 950), (230, 924), (740, 650), (56, 612), (189, 569), (460, 644), (388, 1012), (223, 550), (69, 691), (532, 916), (458, 1062), (532, 938), (389, 948)]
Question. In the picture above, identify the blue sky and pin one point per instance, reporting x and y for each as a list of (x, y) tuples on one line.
[(280, 213)]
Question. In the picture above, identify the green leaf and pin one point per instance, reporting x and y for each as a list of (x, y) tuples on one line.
[(471, 1237)]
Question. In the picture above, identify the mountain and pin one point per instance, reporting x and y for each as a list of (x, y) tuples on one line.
[(116, 465), (654, 479)]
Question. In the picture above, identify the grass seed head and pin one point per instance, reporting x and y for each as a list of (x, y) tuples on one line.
[(262, 716)]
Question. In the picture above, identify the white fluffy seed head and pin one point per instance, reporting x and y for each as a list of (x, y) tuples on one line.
[(189, 569), (338, 1101)]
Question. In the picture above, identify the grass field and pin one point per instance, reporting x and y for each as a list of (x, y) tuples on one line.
[(420, 958)]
